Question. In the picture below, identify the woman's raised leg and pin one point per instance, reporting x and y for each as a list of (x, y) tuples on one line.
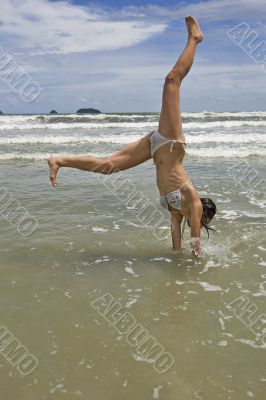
[(130, 156), (170, 124)]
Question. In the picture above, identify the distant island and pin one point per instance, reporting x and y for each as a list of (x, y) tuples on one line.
[(88, 111), (80, 111)]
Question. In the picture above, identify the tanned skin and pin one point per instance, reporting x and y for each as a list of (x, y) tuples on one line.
[(170, 172)]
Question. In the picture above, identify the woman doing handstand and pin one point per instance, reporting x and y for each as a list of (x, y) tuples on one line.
[(167, 147)]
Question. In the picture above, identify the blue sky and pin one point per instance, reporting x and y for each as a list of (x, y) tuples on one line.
[(113, 55)]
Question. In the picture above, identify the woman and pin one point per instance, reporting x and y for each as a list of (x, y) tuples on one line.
[(167, 147)]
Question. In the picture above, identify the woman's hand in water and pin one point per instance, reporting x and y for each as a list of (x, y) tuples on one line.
[(195, 245)]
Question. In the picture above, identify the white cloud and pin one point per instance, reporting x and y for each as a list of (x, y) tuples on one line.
[(209, 11), (223, 77), (62, 27), (220, 10)]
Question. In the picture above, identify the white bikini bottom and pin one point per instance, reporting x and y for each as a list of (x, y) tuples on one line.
[(172, 199)]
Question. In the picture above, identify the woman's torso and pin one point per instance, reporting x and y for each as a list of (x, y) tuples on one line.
[(169, 168), (171, 175)]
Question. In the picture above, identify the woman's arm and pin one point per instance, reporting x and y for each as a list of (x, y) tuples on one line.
[(176, 219), (195, 226)]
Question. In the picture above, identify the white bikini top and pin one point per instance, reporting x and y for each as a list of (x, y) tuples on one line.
[(157, 141)]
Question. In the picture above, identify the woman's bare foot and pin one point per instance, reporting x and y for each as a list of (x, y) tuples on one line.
[(194, 29), (54, 167)]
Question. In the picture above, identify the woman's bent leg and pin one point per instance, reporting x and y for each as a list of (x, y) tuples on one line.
[(170, 124), (128, 157)]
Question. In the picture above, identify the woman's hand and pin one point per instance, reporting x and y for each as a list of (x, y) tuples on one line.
[(195, 225), (195, 245)]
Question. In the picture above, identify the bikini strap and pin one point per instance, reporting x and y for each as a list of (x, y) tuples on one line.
[(176, 141), (172, 143)]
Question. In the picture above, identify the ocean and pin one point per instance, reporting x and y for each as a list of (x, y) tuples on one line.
[(92, 294)]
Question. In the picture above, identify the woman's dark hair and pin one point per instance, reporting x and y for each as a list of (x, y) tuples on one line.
[(209, 211)]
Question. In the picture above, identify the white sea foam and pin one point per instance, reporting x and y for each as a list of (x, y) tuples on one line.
[(205, 285), (207, 114), (229, 214), (102, 116), (99, 229), (70, 117), (75, 138), (199, 153), (20, 123), (251, 343), (77, 125), (229, 138), (203, 136), (227, 152), (40, 156), (223, 124), (130, 137), (210, 288)]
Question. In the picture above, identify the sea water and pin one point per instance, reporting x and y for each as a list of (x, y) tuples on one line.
[(80, 249)]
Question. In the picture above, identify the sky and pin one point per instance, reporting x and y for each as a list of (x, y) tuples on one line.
[(114, 55)]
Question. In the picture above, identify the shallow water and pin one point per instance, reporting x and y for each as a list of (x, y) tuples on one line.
[(87, 244)]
